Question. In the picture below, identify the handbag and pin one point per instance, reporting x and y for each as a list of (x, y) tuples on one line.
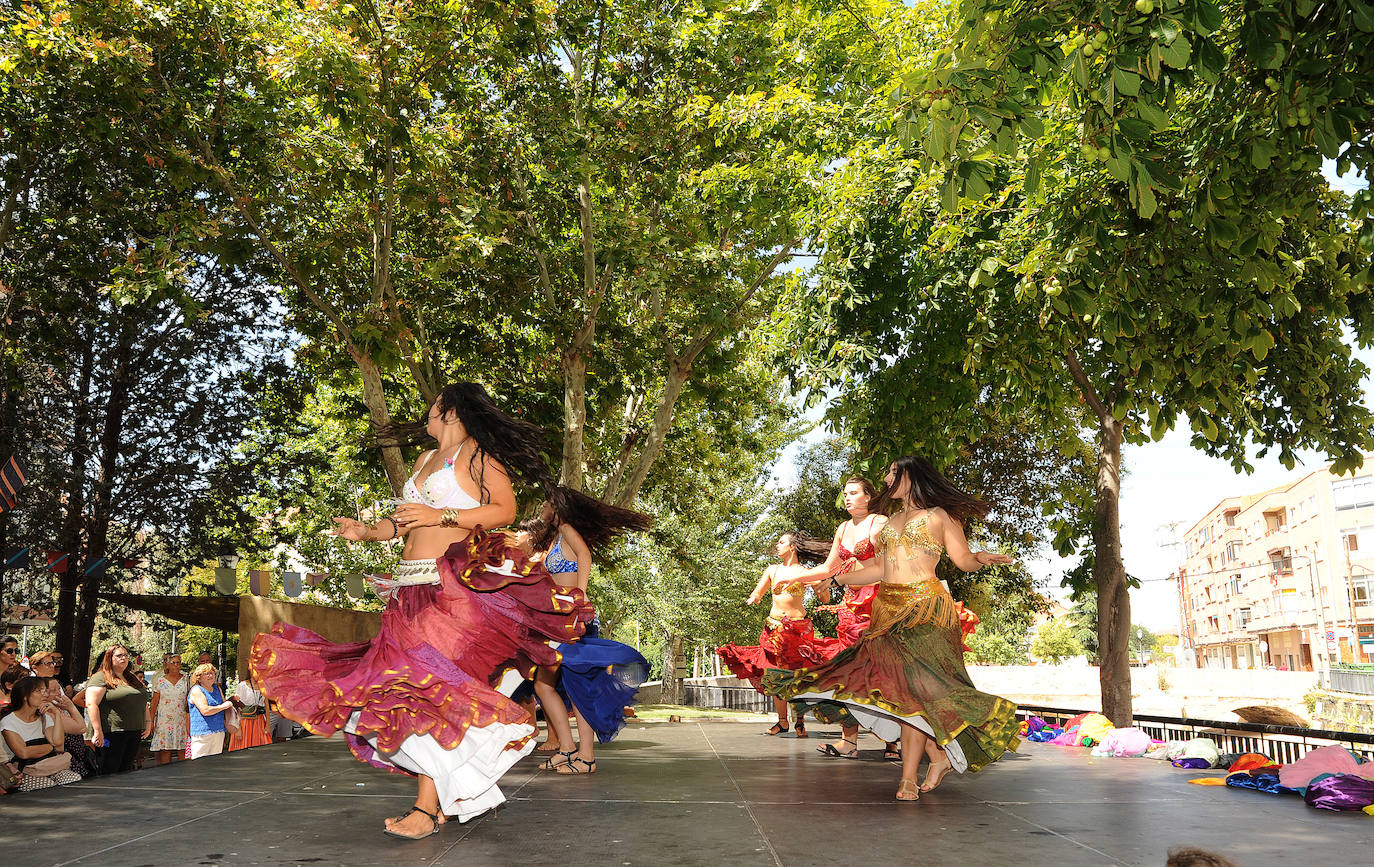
[(231, 721), (49, 765)]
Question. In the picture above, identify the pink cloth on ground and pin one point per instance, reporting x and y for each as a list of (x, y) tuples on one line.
[(1323, 760), (1127, 742)]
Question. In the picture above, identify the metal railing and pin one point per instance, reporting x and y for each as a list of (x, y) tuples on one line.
[(728, 697), (1354, 680), (1283, 744)]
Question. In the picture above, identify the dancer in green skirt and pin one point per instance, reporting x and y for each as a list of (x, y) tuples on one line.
[(906, 674)]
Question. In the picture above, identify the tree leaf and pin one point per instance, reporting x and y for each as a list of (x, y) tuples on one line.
[(1127, 83)]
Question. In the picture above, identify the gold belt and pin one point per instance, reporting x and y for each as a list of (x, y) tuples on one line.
[(900, 605)]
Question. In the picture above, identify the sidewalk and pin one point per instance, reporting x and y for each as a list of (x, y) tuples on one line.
[(707, 793)]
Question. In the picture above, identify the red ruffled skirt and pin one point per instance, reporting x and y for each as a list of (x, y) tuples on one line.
[(420, 696), (789, 644)]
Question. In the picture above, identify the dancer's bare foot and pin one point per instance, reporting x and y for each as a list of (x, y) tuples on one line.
[(934, 774), (549, 746), (413, 822), (907, 791)]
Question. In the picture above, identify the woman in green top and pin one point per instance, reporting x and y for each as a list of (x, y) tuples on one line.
[(117, 706)]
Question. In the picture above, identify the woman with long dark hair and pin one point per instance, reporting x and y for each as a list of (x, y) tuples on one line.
[(855, 543), (598, 676), (788, 639), (905, 675), (464, 605), (117, 708)]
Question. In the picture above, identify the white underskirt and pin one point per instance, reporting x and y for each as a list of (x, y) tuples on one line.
[(465, 776), (888, 726)]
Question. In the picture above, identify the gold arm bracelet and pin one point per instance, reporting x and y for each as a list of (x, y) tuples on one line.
[(449, 517)]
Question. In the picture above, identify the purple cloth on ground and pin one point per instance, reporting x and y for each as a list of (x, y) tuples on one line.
[(1340, 792), (1192, 764), (1034, 724)]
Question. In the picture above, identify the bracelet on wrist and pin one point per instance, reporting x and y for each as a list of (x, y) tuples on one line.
[(395, 528), (449, 517)]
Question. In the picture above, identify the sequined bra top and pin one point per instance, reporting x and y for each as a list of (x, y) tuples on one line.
[(862, 551), (555, 562), (441, 490), (906, 546), (789, 588)]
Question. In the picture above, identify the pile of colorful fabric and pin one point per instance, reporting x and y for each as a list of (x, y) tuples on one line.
[(1328, 778)]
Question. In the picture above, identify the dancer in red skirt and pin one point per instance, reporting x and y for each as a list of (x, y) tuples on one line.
[(463, 608), (788, 639)]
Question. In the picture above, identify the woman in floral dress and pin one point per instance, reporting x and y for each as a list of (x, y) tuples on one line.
[(171, 723)]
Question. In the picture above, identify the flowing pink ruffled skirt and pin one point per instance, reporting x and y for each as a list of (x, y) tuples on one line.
[(420, 697)]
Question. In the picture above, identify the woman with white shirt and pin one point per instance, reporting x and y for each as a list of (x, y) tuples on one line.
[(32, 736)]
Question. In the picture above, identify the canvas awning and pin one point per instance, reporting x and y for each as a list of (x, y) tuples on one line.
[(216, 612)]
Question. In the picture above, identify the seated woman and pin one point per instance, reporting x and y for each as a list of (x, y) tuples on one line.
[(36, 739)]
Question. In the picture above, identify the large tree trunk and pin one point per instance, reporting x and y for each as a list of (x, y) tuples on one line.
[(74, 520), (574, 416), (374, 398), (674, 670), (678, 372), (1113, 603)]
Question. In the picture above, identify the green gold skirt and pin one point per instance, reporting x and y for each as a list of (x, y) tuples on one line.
[(907, 667)]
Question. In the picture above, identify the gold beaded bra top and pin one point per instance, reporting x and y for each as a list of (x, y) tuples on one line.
[(908, 546), (790, 588)]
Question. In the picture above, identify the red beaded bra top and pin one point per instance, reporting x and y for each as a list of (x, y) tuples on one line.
[(862, 551)]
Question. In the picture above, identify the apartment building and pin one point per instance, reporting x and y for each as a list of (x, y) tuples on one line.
[(1283, 578)]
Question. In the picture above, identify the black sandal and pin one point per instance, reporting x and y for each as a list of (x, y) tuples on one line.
[(550, 765), (778, 728), (800, 729), (433, 817), (571, 769), (892, 753), (829, 751)]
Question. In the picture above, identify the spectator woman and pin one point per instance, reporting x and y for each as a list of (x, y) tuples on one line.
[(68, 717), (207, 706), (117, 706), (9, 771), (171, 723), (35, 738), (9, 653)]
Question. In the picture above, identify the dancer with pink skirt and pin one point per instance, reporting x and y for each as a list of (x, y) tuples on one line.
[(463, 609)]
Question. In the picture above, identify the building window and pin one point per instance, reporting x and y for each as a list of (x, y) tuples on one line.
[(1232, 551), (1235, 584), (1243, 615), (1279, 561), (1362, 588), (1353, 493), (1231, 517)]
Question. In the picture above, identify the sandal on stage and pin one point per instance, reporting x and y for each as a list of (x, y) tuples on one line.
[(830, 751), (800, 729), (571, 768), (430, 833), (892, 752), (443, 818), (551, 763), (938, 772), (907, 791), (777, 729)]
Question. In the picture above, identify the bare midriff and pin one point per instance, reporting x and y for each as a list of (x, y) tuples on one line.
[(431, 543)]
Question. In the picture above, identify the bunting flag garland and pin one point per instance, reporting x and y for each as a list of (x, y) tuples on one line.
[(291, 584), (131, 564), (11, 480), (16, 558), (353, 583), (315, 579), (226, 580), (58, 561), (260, 582), (97, 568)]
